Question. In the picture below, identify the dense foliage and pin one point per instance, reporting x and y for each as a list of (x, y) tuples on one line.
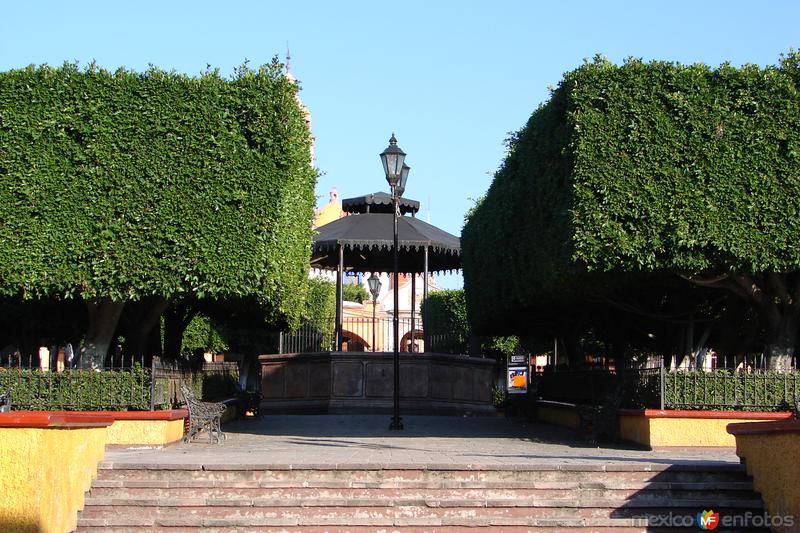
[(355, 292), (723, 389), (127, 389), (203, 334), (444, 315), (321, 301), (122, 185), (644, 168), (78, 390)]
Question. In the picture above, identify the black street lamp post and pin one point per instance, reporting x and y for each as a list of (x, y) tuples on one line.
[(393, 159), (374, 289)]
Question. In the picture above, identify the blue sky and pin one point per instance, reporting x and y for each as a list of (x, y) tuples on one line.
[(451, 79)]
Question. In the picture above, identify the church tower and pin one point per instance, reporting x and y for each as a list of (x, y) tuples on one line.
[(306, 113)]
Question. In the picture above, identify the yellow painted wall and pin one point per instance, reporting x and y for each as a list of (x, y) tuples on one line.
[(773, 459), (559, 416), (145, 432), (676, 431), (328, 213), (44, 474)]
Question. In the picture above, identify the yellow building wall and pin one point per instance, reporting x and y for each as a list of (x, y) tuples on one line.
[(773, 459), (145, 432), (44, 474), (328, 213)]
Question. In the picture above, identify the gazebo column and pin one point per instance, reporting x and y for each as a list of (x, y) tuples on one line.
[(413, 307), (339, 298), (425, 298)]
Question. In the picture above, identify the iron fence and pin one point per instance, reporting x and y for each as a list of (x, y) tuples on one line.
[(125, 384), (363, 334), (747, 390), (212, 380), (659, 388)]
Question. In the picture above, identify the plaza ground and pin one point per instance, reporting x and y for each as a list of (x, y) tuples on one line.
[(430, 441)]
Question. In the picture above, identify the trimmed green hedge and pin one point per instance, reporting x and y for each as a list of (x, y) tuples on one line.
[(109, 390), (720, 390), (445, 322), (639, 168), (123, 185), (723, 390), (78, 390)]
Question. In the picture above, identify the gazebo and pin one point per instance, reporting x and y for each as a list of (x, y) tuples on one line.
[(363, 242), (350, 382)]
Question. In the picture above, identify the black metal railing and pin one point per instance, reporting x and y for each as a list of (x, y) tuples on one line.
[(363, 334), (210, 381), (659, 388), (124, 384), (747, 390)]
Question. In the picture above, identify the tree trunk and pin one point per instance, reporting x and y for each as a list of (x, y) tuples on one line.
[(781, 342), (575, 355), (688, 343), (104, 315), (141, 338)]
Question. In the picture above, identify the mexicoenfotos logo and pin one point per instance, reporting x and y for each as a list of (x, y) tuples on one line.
[(708, 520)]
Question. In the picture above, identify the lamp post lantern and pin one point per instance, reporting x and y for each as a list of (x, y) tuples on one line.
[(374, 283), (393, 159)]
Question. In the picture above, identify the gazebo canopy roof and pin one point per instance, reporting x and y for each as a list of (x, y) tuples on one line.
[(367, 242), (378, 202)]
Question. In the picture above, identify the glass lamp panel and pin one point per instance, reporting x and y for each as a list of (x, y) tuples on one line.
[(401, 184), (374, 283)]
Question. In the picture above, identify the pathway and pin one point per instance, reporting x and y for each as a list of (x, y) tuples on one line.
[(429, 441)]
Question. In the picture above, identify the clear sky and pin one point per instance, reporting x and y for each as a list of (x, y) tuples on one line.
[(450, 78)]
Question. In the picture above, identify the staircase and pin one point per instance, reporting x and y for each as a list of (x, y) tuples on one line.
[(543, 498)]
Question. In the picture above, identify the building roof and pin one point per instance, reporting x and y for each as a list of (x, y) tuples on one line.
[(378, 202)]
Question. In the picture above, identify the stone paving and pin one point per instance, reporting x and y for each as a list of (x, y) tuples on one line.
[(359, 441)]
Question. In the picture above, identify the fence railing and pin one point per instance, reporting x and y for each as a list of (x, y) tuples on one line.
[(125, 384), (122, 385), (729, 389), (363, 334), (658, 388), (213, 380)]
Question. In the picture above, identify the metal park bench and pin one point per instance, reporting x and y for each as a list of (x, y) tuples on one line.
[(599, 420), (5, 401), (203, 416)]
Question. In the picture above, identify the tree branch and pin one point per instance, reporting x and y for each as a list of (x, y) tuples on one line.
[(711, 282), (759, 298), (777, 283), (671, 319), (733, 286)]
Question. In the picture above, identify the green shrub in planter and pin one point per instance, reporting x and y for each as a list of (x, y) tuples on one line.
[(78, 390), (725, 390)]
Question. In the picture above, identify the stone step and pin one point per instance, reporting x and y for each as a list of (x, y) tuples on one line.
[(394, 529), (302, 477), (542, 498), (373, 522), (357, 483), (147, 515), (119, 495)]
